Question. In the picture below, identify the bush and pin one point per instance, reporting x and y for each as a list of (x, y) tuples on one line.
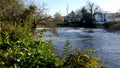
[(79, 59), (109, 24), (112, 25), (18, 49)]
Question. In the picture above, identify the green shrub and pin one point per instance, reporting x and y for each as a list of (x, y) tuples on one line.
[(79, 59), (112, 25), (18, 49), (108, 24)]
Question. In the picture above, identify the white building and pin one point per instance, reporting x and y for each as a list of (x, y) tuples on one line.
[(106, 17)]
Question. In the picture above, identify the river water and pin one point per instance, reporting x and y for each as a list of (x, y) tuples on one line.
[(107, 44)]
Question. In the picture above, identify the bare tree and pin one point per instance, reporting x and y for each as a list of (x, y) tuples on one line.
[(93, 9), (41, 18)]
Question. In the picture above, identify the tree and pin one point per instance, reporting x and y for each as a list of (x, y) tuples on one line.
[(85, 19), (71, 17), (88, 13), (41, 18), (10, 10), (78, 14), (14, 11), (93, 9), (58, 17)]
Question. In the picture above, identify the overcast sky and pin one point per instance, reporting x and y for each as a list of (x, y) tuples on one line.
[(60, 5)]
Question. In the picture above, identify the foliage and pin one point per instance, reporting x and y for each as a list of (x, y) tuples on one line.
[(58, 17), (107, 25), (86, 19), (18, 49), (17, 45), (17, 13), (79, 59), (112, 25), (10, 10)]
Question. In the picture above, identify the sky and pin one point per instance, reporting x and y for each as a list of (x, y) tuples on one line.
[(60, 6)]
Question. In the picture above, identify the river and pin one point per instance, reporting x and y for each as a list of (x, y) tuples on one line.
[(107, 44)]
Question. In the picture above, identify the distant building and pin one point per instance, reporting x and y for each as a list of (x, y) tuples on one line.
[(99, 18), (106, 17)]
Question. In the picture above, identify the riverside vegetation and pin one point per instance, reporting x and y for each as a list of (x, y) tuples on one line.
[(19, 49), (112, 26)]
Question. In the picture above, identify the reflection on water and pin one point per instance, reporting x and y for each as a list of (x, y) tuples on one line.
[(107, 44)]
